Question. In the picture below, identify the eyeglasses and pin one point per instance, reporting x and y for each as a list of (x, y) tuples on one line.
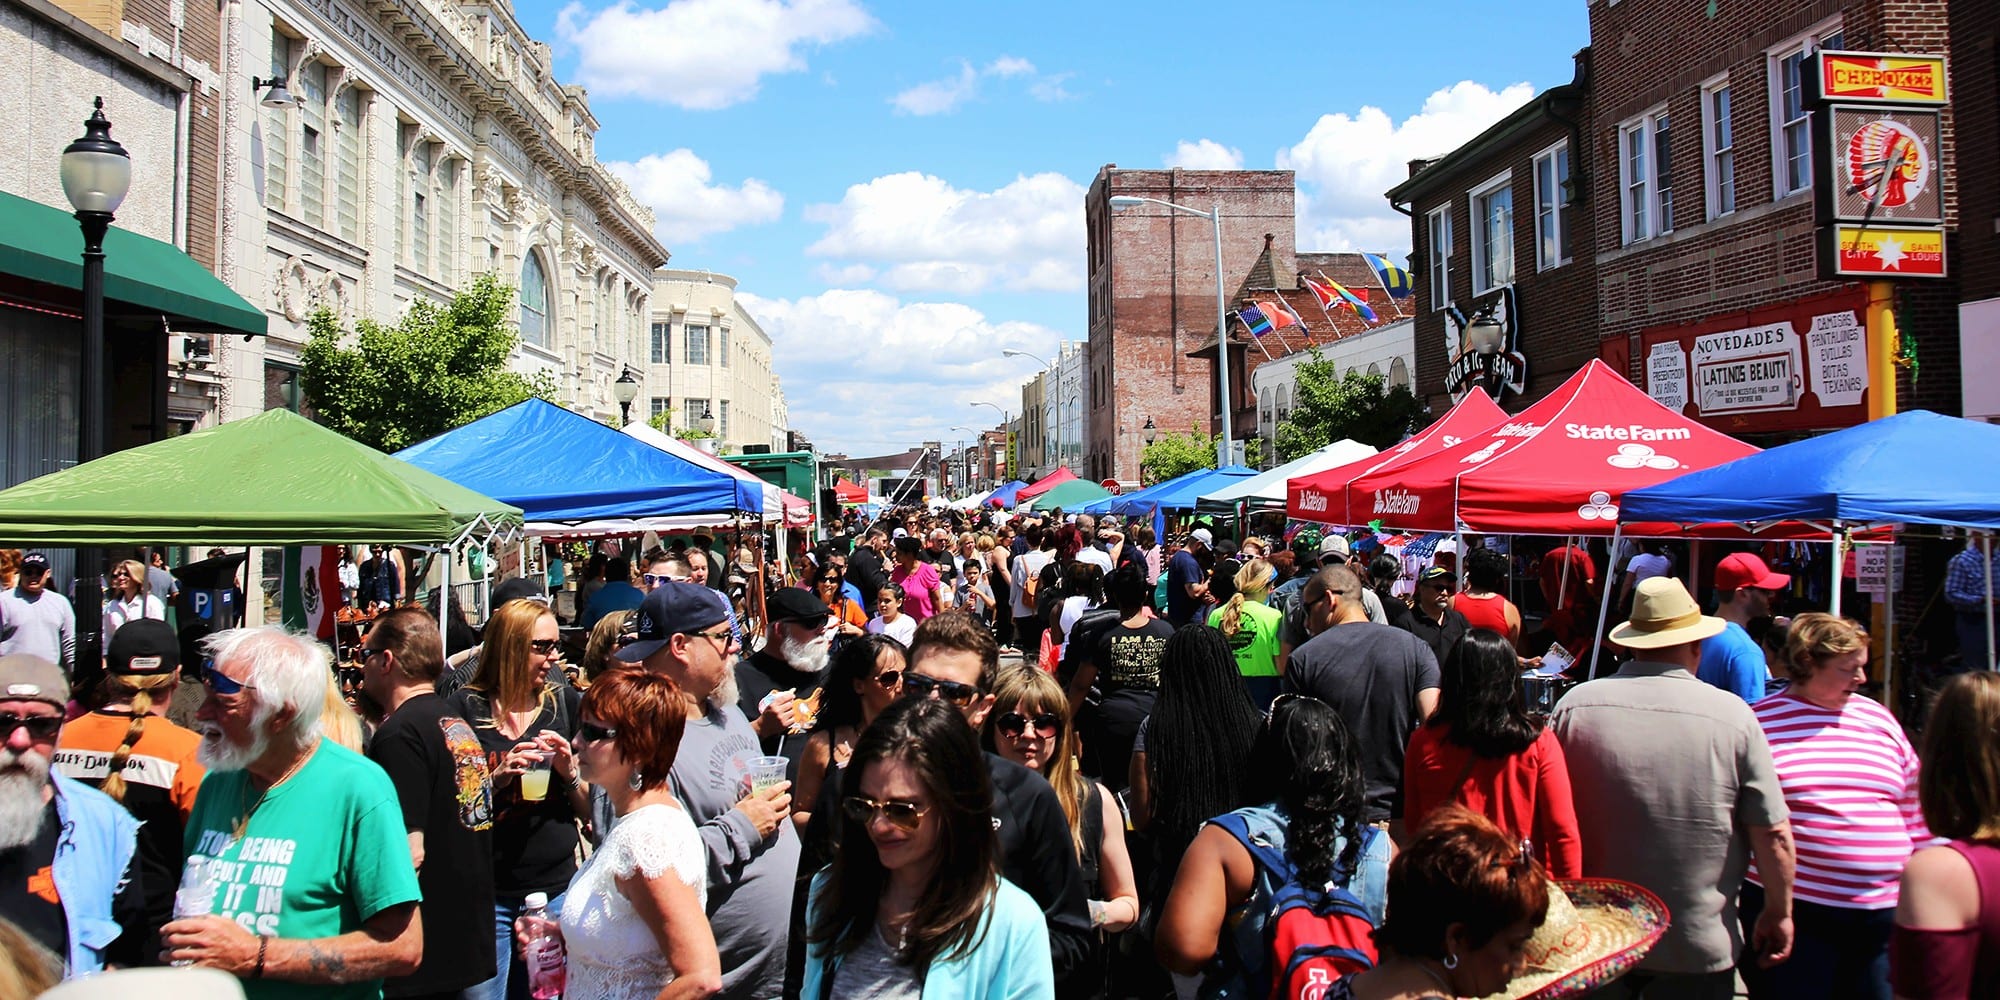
[(545, 646), (904, 816), (591, 732), (1012, 724), (889, 678), (959, 695), (655, 579), (725, 637), (43, 728), (219, 682)]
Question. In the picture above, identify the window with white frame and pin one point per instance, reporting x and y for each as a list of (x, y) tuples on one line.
[(1718, 148), (660, 404), (696, 409), (697, 344), (1551, 201), (725, 418), (348, 164), (663, 344), (1439, 226), (447, 217), (1492, 205), (723, 347), (1791, 122), (534, 301), (420, 205), (1646, 201), (278, 129), (312, 139)]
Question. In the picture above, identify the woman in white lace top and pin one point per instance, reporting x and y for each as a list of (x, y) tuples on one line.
[(633, 920)]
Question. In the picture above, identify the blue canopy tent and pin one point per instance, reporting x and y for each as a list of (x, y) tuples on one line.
[(1182, 492), (1916, 467), (1138, 500), (1003, 497), (1101, 505), (564, 469)]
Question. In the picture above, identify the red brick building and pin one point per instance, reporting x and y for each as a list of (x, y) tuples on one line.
[(1975, 100)]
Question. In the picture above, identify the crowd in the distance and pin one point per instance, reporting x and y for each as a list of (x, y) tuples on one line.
[(1050, 757)]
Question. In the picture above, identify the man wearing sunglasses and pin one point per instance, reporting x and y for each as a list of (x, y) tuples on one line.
[(68, 877), (775, 680), (684, 632), (956, 658)]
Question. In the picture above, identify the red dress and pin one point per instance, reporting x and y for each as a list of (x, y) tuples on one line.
[(1526, 794)]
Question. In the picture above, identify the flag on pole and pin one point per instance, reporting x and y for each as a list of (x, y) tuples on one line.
[(1351, 300), (312, 593), (1395, 280), (1327, 300), (1278, 315), (1254, 320)]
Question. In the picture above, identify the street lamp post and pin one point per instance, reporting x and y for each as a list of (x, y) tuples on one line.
[(1224, 448), (96, 173), (1006, 433), (965, 457), (1053, 370), (626, 389)]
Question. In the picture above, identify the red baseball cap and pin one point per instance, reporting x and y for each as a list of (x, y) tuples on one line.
[(1744, 569)]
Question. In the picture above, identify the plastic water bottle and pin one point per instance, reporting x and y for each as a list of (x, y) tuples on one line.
[(548, 970), (196, 895)]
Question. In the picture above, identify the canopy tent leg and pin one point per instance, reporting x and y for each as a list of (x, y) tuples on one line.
[(1839, 557), (1562, 591), (444, 608), (1889, 618), (487, 551), (1986, 548), (521, 561), (1604, 605)]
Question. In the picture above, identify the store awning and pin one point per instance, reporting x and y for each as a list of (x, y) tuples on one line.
[(43, 244)]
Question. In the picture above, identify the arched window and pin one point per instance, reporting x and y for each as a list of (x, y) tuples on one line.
[(534, 301), (1399, 373)]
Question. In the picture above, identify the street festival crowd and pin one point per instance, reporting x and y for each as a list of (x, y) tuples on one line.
[(967, 754)]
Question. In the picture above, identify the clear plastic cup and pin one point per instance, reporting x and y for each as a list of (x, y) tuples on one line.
[(535, 782), (765, 772)]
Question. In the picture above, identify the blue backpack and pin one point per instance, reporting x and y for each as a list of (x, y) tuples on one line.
[(1290, 941)]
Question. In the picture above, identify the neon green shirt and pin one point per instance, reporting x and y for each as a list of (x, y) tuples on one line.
[(1256, 640)]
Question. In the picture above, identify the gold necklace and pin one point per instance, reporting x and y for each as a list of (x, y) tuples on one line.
[(243, 821)]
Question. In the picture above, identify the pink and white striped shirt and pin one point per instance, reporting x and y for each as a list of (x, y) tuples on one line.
[(1850, 781)]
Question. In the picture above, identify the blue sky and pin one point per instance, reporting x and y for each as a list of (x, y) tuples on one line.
[(898, 186)]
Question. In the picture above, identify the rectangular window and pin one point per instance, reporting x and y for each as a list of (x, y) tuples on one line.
[(420, 220), (1791, 123), (404, 133), (691, 416), (1551, 200), (1492, 206), (312, 135), (663, 344), (1645, 181), (725, 417), (347, 160), (660, 404), (1718, 150), (723, 344), (697, 344), (1440, 257), (447, 214), (277, 130)]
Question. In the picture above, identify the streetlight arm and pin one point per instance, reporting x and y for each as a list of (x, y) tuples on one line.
[(1132, 200)]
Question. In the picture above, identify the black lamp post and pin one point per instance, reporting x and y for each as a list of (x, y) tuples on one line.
[(96, 173), (626, 389)]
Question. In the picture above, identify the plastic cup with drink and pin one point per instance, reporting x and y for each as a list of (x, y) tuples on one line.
[(765, 772), (535, 781)]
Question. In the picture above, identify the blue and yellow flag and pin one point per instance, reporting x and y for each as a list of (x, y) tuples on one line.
[(1395, 280)]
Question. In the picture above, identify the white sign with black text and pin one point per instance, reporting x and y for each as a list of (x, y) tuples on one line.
[(1748, 371), (1667, 375), (1837, 348)]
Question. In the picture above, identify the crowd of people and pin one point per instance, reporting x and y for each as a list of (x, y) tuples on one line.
[(958, 755)]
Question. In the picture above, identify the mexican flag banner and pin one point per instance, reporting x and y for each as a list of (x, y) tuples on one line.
[(312, 593)]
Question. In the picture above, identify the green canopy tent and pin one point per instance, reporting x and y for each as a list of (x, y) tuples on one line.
[(1069, 494), (273, 479)]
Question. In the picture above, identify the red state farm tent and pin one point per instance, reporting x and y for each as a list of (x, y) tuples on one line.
[(1558, 467), (1043, 485), (845, 491), (1323, 496)]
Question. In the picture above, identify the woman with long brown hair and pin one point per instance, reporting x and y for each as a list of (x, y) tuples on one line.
[(1946, 942), (913, 903), (128, 598), (525, 716)]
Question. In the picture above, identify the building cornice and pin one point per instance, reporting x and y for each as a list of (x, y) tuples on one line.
[(87, 33)]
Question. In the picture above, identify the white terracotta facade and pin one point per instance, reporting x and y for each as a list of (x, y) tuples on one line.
[(704, 351)]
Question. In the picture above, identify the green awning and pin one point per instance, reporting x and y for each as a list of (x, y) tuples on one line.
[(44, 244)]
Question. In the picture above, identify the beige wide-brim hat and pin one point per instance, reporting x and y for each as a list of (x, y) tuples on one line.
[(1665, 614), (1596, 930), (153, 984)]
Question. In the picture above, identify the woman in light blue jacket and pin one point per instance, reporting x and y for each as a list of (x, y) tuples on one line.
[(913, 905)]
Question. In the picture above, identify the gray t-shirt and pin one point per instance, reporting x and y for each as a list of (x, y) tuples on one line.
[(1292, 631), (750, 879), (1370, 674), (1669, 776), (41, 626), (871, 970)]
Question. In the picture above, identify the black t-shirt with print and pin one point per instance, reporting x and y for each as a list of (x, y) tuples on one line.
[(1128, 658), (28, 889), (534, 843), (438, 766)]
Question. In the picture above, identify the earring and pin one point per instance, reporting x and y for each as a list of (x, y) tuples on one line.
[(635, 781), (1451, 961)]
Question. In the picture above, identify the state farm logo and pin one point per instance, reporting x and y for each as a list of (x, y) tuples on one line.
[(1599, 508), (1452, 441), (1313, 502), (1640, 456), (1397, 502), (1482, 454)]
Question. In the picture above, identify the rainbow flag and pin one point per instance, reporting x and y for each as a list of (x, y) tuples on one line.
[(1358, 303), (1254, 320), (1395, 280)]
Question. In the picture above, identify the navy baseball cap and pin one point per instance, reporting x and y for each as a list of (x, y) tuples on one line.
[(669, 610)]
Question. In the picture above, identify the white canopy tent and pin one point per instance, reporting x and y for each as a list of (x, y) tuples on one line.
[(1267, 489)]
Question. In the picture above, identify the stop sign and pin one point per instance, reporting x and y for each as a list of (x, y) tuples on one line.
[(1110, 484)]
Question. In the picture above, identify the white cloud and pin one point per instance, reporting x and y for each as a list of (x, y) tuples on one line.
[(688, 206), (1049, 89), (926, 235), (1010, 66), (938, 96), (700, 54), (847, 358), (1345, 163), (1206, 154)]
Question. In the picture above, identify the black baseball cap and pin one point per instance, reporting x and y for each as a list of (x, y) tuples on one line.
[(34, 562), (796, 604), (144, 647), (669, 610)]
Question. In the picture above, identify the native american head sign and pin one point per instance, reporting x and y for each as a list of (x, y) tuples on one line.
[(1882, 164)]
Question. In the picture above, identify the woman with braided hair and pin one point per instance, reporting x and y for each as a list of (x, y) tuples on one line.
[(129, 750)]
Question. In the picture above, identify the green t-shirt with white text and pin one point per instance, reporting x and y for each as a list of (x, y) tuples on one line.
[(1256, 640)]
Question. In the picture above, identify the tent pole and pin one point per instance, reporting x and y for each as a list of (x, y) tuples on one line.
[(1986, 545), (487, 551), (1889, 617), (1562, 590), (444, 608), (1604, 604), (1839, 555)]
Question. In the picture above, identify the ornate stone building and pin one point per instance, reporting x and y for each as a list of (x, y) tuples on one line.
[(428, 142), (707, 355)]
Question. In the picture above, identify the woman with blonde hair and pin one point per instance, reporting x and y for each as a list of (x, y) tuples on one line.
[(525, 716), (1251, 625), (1029, 726), (338, 721), (1946, 942), (128, 598), (604, 639), (129, 750)]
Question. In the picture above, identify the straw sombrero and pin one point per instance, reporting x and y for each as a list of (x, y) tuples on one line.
[(1596, 930)]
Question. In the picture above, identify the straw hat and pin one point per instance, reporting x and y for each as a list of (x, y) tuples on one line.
[(155, 984), (1665, 614), (1596, 930)]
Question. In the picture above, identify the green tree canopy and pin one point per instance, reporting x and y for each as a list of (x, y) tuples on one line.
[(1173, 454), (663, 422), (1326, 409), (437, 368)]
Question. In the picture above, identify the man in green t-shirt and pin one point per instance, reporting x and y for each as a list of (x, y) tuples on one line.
[(296, 847)]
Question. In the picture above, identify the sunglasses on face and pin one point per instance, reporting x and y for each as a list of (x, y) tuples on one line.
[(1012, 724), (41, 728), (655, 579), (545, 646), (905, 816), (959, 695), (721, 637), (889, 678), (219, 682), (591, 732)]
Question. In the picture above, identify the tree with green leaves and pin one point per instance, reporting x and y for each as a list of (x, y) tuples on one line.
[(1171, 455), (663, 422), (1327, 407), (437, 368)]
